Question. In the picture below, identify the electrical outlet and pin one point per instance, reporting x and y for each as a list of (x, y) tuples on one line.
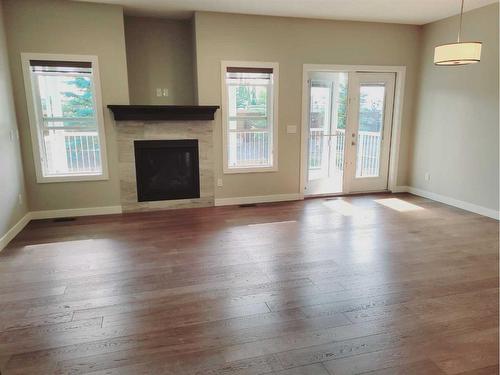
[(12, 135), (427, 176), (159, 92), (165, 92), (20, 199), (291, 129), (219, 182)]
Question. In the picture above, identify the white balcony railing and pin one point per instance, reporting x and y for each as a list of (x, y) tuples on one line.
[(368, 151), (317, 144), (315, 148), (82, 152), (249, 148), (73, 152), (368, 154)]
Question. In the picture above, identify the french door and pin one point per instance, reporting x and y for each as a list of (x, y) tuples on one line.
[(350, 121), (327, 123)]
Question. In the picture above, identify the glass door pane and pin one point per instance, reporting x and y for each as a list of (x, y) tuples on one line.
[(327, 124), (370, 131), (319, 128)]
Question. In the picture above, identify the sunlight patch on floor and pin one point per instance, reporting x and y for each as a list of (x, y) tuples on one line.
[(342, 207), (272, 223), (76, 244), (398, 204)]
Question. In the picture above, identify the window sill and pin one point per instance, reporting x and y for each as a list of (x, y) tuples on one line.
[(250, 170), (70, 178)]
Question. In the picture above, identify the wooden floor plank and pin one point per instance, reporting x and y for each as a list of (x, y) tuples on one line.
[(490, 370), (422, 367)]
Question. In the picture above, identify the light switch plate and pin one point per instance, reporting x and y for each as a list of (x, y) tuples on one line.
[(291, 129)]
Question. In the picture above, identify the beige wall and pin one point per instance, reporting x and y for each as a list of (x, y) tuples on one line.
[(462, 159), (293, 42), (159, 55), (456, 126), (10, 157), (51, 26)]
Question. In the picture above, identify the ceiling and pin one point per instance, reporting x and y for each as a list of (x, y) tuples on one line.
[(415, 12)]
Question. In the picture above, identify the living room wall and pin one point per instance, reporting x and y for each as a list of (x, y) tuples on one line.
[(159, 55), (455, 137), (66, 27), (293, 42), (12, 209), (60, 26)]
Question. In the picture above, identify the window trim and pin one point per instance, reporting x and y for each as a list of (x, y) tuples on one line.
[(225, 117), (33, 116)]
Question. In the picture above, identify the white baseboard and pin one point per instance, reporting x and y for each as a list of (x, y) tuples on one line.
[(72, 212), (257, 199), (108, 210), (14, 231), (456, 203), (399, 189)]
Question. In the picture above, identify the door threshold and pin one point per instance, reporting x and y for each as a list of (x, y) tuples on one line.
[(325, 195), (338, 195)]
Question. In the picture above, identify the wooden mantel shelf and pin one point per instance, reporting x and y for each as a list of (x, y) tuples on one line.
[(163, 112)]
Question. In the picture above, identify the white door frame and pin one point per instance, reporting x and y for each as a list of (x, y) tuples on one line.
[(396, 121)]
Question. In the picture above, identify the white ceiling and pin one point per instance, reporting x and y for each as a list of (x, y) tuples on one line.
[(416, 12)]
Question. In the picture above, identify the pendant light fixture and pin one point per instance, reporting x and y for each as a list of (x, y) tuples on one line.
[(459, 53)]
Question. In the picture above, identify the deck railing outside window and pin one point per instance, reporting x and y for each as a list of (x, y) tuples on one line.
[(368, 151), (74, 152), (368, 154), (317, 147), (250, 148)]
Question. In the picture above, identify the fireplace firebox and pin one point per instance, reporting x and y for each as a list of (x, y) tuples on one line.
[(167, 169)]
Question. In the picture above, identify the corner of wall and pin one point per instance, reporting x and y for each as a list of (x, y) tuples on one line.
[(125, 52), (414, 110), (196, 95), (14, 212)]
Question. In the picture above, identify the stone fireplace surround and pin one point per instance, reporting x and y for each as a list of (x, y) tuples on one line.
[(129, 131)]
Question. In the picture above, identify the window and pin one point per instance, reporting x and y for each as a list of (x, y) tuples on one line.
[(250, 99), (66, 117)]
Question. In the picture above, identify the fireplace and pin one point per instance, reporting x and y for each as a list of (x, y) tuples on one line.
[(167, 169)]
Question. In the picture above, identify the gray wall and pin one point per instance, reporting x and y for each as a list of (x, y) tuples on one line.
[(293, 42), (455, 137), (52, 26), (11, 171), (159, 54)]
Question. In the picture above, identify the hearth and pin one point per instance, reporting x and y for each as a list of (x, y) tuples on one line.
[(167, 169)]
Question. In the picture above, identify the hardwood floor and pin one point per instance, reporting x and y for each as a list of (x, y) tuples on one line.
[(377, 284)]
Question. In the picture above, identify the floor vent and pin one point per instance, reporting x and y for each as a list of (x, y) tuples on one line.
[(63, 219), (248, 205)]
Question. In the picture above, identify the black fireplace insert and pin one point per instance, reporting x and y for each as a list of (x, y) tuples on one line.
[(167, 169)]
